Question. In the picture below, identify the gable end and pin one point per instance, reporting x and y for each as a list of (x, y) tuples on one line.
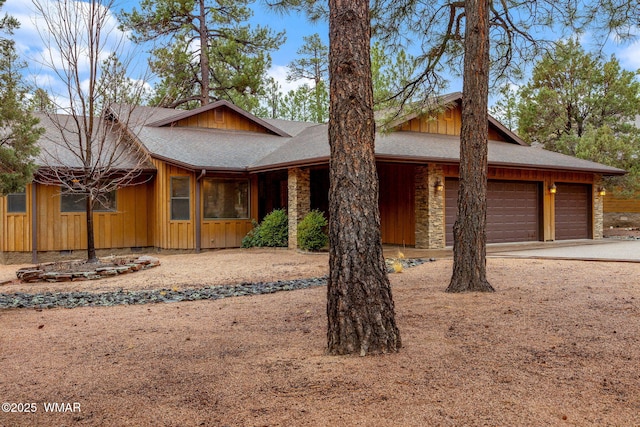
[(220, 115)]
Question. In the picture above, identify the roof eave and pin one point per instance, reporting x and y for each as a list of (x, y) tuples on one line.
[(196, 168), (316, 161)]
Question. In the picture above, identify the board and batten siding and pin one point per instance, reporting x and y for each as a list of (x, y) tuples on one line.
[(180, 234), (172, 234), (447, 122), (123, 228), (221, 118), (15, 228), (612, 204)]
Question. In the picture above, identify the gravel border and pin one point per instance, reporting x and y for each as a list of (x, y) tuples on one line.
[(124, 297)]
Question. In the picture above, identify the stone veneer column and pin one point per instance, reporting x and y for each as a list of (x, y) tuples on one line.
[(598, 208), (299, 195), (429, 207)]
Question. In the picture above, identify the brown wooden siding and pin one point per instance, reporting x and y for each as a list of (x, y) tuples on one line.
[(170, 234), (444, 123), (126, 227), (494, 135), (526, 175), (397, 204), (15, 228), (612, 204), (224, 233), (221, 118), (448, 122)]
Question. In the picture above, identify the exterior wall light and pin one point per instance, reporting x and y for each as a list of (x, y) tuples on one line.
[(439, 186), (553, 189), (602, 191)]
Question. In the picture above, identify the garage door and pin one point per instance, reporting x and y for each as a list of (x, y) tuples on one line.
[(573, 219), (512, 211)]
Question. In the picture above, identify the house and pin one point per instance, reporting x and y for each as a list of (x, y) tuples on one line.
[(214, 169)]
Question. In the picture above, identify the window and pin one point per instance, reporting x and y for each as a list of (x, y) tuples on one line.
[(106, 203), (77, 203), (226, 198), (72, 203), (180, 198), (17, 202)]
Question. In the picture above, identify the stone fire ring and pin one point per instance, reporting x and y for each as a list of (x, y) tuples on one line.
[(106, 267)]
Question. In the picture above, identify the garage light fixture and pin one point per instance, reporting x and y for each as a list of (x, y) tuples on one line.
[(439, 185), (553, 189), (602, 191)]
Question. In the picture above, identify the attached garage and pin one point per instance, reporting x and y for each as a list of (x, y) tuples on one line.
[(513, 211), (573, 207)]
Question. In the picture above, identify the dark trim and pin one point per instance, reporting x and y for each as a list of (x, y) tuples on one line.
[(607, 172), (455, 162), (34, 225), (195, 168), (198, 212), (294, 164)]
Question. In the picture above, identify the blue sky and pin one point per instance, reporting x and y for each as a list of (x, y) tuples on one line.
[(30, 45)]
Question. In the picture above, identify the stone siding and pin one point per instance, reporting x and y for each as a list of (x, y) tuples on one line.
[(429, 207), (299, 201), (598, 208)]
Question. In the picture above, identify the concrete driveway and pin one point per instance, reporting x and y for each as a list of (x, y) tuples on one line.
[(596, 250), (603, 249)]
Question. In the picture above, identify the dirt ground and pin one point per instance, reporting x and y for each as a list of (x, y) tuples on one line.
[(557, 344)]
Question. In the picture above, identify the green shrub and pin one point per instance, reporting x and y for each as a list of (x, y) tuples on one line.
[(311, 234), (252, 239), (274, 229)]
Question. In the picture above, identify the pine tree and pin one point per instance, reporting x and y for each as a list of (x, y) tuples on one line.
[(208, 51), (18, 127), (578, 104)]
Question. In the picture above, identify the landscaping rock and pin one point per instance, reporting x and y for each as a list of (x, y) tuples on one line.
[(145, 296), (77, 270)]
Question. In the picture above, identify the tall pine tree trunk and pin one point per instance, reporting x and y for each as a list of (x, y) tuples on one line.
[(360, 307), (204, 54), (470, 228)]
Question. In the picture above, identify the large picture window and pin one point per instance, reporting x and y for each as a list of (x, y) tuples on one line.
[(17, 202), (225, 198), (77, 203), (180, 198)]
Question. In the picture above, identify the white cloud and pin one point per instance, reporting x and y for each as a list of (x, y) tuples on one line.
[(279, 73), (629, 56)]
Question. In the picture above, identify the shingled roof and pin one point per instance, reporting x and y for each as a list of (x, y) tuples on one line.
[(290, 143)]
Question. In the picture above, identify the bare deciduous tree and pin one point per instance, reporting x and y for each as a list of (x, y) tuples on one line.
[(88, 149)]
